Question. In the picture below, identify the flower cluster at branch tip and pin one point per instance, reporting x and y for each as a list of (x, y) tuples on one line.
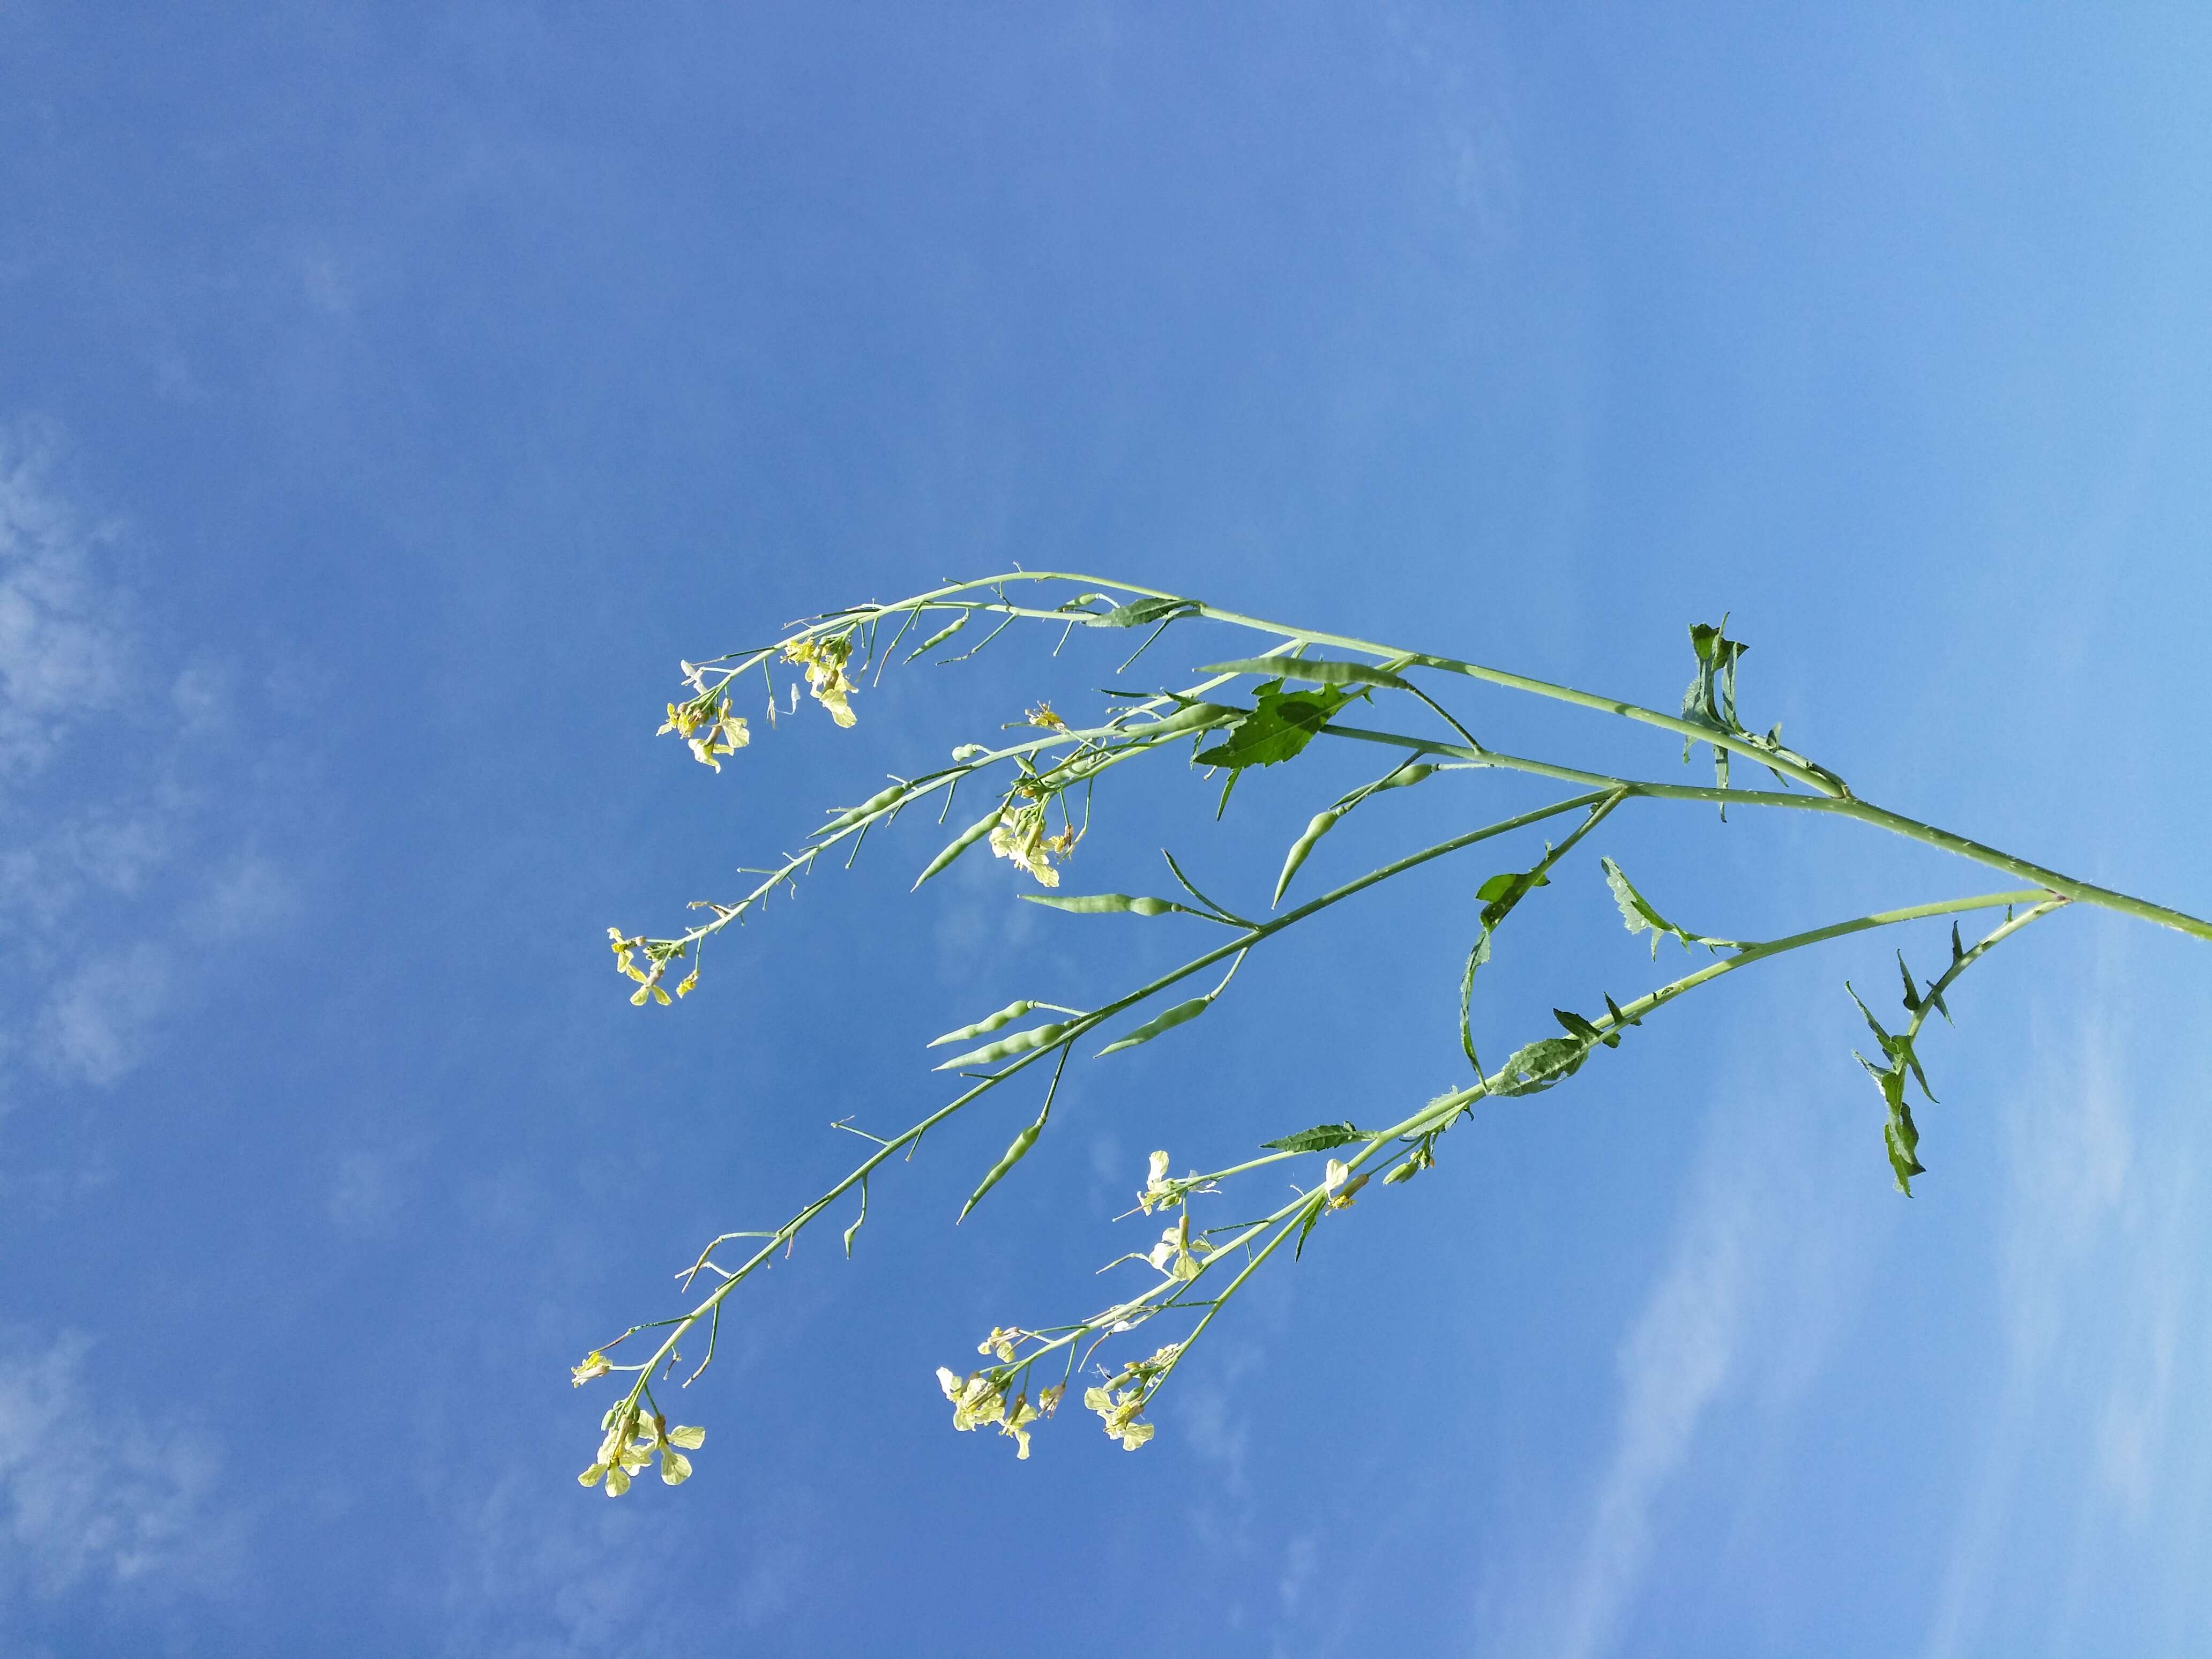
[(1001, 1343), (1123, 1397), (825, 661), (723, 733), (595, 1364), (1019, 836), (658, 956), (980, 1398), (633, 1439)]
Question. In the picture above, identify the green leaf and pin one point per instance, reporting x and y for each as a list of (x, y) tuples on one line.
[(1911, 990), (1321, 1137), (1475, 958), (1575, 1025), (1278, 729), (1537, 1066), (1503, 891), (1313, 1214), (1181, 1013), (1320, 670), (1105, 904), (1640, 915), (1138, 612)]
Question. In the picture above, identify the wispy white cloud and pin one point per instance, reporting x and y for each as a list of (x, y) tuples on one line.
[(62, 653), (1681, 1351), (91, 1494), (2101, 1273), (114, 870)]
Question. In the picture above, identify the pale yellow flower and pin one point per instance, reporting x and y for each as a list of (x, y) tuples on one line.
[(826, 681), (976, 1398), (1016, 1425), (1157, 1188), (1042, 715), (595, 1364), (1019, 836), (1339, 1184), (1001, 1342)]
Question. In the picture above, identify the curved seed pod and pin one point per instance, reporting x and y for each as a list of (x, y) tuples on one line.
[(941, 636), (1104, 904), (1021, 1043), (966, 839), (1319, 670), (1322, 824), (982, 1027), (997, 1172), (1191, 717), (1151, 1028), (868, 808)]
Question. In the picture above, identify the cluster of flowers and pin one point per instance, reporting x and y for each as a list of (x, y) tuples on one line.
[(720, 732), (825, 661), (633, 1440), (980, 1398), (1019, 834), (1121, 1399), (648, 977)]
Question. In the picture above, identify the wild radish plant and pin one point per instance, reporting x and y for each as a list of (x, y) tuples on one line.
[(1299, 686)]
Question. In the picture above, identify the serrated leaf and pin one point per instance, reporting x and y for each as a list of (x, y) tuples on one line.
[(1576, 1026), (1475, 958), (1536, 1067), (1319, 670), (1321, 1137), (1640, 915), (1282, 724), (1181, 1013), (1313, 1214)]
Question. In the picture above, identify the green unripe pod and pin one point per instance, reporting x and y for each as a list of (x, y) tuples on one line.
[(1322, 822)]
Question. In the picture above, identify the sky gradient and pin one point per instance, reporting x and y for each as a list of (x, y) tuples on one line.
[(390, 395)]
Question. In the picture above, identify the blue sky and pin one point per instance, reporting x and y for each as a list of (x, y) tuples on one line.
[(389, 396)]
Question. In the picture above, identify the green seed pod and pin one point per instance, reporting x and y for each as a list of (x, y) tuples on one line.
[(1409, 776), (1103, 904), (997, 1172), (1151, 1028), (1037, 1036), (1191, 717), (941, 636), (868, 808), (966, 839), (1322, 824), (982, 1027)]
